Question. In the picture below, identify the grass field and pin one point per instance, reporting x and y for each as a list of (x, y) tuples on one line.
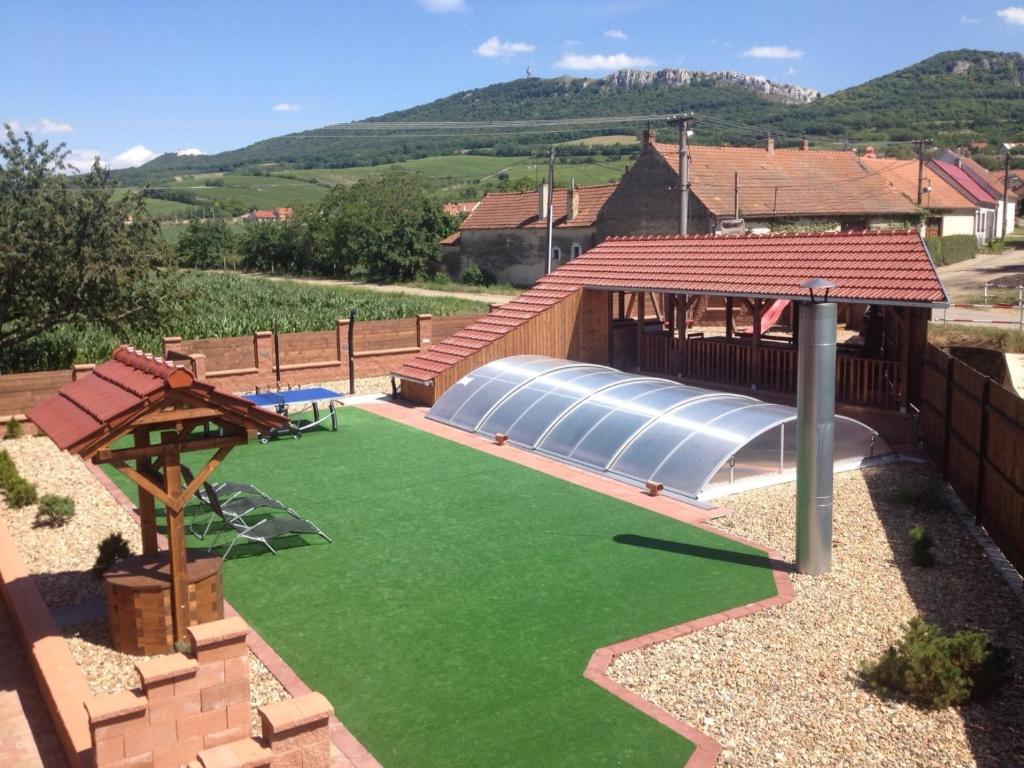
[(451, 620), (603, 141)]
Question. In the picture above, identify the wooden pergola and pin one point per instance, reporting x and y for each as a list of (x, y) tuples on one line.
[(160, 406)]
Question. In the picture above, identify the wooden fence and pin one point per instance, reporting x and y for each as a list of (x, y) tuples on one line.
[(973, 429), (859, 380), (241, 363)]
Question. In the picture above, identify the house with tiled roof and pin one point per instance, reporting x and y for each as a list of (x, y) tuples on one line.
[(981, 194), (768, 189), (985, 185), (626, 303), (274, 214), (950, 211), (505, 236)]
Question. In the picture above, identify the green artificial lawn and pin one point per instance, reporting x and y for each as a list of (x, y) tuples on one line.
[(451, 620)]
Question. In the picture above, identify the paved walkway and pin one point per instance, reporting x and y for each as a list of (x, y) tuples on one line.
[(968, 277), (27, 736)]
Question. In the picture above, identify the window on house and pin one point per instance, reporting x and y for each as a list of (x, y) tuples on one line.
[(556, 254), (577, 251)]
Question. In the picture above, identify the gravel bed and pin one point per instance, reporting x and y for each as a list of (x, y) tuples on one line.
[(781, 687), (61, 559)]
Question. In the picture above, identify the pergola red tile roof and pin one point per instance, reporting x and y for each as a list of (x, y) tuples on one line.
[(787, 182), (513, 210), (867, 267), (129, 385)]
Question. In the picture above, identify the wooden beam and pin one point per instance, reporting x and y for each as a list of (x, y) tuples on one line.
[(903, 318), (201, 476), (147, 504), (160, 418), (203, 444), (142, 481), (729, 331), (757, 307), (629, 308), (641, 318), (670, 313), (611, 325), (622, 305), (176, 536), (658, 314), (684, 342)]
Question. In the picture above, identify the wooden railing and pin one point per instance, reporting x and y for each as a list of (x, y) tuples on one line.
[(859, 380)]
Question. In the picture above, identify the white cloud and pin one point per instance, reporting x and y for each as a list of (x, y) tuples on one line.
[(493, 46), (132, 157), (51, 126), (791, 71), (443, 6), (598, 61), (1012, 15), (964, 19), (284, 106), (615, 34), (82, 159), (773, 52), (190, 152)]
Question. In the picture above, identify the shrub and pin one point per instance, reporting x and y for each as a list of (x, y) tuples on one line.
[(14, 429), (951, 249), (111, 549), (8, 472), (20, 493), (921, 544), (473, 275), (933, 670), (55, 511)]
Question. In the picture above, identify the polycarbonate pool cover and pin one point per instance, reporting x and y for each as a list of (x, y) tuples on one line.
[(697, 442)]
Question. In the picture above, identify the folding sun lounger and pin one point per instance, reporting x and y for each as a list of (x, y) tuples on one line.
[(263, 531), (242, 499)]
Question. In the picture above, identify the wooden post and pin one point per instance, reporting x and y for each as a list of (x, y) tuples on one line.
[(424, 324), (176, 535), (756, 310), (794, 308), (641, 319), (147, 505), (611, 326), (622, 305), (903, 318), (684, 342), (728, 317), (670, 313), (979, 485)]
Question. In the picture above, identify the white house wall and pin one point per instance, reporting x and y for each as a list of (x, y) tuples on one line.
[(957, 224)]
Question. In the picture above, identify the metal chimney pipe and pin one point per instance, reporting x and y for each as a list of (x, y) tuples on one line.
[(815, 405)]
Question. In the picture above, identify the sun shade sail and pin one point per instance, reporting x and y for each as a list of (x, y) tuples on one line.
[(697, 442)]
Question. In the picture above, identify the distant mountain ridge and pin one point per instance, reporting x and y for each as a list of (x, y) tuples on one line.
[(952, 97)]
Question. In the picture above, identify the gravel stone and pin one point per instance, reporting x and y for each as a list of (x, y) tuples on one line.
[(782, 686)]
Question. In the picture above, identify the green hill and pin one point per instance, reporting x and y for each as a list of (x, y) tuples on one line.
[(952, 97)]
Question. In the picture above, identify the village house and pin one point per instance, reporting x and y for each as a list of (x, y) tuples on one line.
[(758, 190), (505, 236), (985, 202), (460, 209), (950, 212), (276, 214), (991, 182)]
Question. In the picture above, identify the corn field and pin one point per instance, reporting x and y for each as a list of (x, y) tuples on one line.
[(208, 304)]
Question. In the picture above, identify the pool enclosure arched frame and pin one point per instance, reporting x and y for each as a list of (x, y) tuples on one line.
[(694, 441)]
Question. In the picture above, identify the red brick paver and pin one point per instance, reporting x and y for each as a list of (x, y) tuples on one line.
[(27, 736)]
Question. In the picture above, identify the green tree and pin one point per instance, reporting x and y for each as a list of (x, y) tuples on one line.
[(386, 226), (71, 251), (522, 184), (206, 245)]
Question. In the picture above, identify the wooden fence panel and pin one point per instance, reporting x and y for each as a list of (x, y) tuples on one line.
[(20, 391), (442, 327), (308, 347), (223, 354)]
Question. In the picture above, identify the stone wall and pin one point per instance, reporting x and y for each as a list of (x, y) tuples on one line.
[(196, 708)]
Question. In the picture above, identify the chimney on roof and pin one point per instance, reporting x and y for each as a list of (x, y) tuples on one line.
[(542, 200), (648, 135), (572, 202), (770, 144), (869, 152), (804, 143)]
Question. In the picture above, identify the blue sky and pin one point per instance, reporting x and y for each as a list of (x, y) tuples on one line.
[(129, 80)]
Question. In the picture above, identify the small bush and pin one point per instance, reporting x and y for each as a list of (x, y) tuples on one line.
[(473, 275), (55, 511), (8, 471), (933, 670), (20, 493), (111, 549), (14, 429), (951, 249), (921, 545)]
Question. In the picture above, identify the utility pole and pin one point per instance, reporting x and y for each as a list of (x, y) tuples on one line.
[(1006, 186), (683, 123), (920, 169), (736, 195), (551, 205)]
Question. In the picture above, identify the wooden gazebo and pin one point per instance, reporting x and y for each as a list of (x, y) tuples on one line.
[(160, 405)]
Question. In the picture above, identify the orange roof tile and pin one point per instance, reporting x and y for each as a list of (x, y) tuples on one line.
[(869, 267), (512, 210), (786, 182), (902, 176)]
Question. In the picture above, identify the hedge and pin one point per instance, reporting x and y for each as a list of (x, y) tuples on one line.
[(951, 249)]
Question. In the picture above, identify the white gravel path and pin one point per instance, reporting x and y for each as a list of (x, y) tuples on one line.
[(781, 687)]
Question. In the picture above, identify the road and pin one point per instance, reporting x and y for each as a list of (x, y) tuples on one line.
[(968, 277)]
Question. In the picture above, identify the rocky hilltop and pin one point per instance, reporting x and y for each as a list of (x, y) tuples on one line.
[(639, 78)]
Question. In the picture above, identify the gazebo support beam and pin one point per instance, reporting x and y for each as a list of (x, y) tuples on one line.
[(176, 535), (147, 504)]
